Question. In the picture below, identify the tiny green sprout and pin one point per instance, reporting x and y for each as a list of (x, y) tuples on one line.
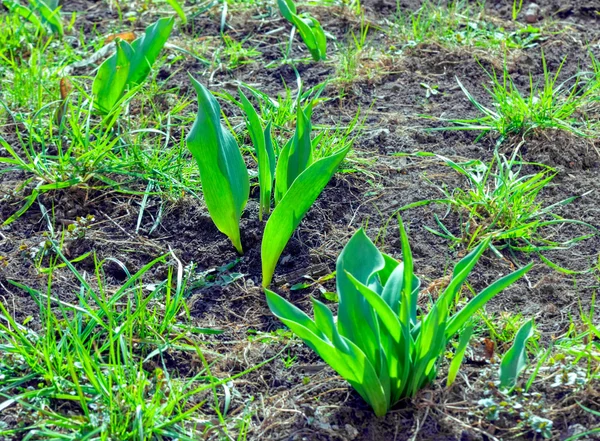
[(289, 360), (491, 409), (542, 426), (429, 90)]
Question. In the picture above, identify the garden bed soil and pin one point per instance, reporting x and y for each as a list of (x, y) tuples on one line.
[(307, 401)]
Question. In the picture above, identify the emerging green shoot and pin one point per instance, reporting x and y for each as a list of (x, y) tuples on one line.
[(296, 155), (299, 178), (293, 206), (225, 180), (515, 359), (130, 65), (265, 155), (48, 10), (308, 27), (381, 344)]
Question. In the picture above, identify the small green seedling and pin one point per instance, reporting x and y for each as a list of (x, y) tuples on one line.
[(515, 359), (380, 344), (129, 66), (308, 27)]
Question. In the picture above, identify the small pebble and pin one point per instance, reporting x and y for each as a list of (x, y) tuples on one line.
[(532, 13)]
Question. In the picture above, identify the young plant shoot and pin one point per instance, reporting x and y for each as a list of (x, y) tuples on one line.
[(299, 180), (296, 202), (308, 27), (515, 359), (225, 180), (130, 65), (381, 344), (49, 11)]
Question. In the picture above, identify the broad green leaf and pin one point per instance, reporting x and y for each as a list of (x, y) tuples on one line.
[(392, 288), (265, 156), (515, 359), (356, 318), (428, 347), (387, 316), (313, 36), (320, 38), (462, 271), (408, 308), (130, 65), (223, 173), (270, 145), (289, 212), (147, 48), (326, 324), (308, 36), (281, 172), (50, 12), (287, 9), (465, 337), (390, 266), (111, 79)]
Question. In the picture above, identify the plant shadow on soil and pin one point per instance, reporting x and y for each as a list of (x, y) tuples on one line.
[(307, 401)]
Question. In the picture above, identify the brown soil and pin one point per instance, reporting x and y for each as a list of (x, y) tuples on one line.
[(308, 401)]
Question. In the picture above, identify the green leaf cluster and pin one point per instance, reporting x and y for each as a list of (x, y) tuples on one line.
[(290, 176), (130, 65), (381, 344), (308, 27)]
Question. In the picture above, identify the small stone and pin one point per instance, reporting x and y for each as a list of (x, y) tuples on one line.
[(576, 429), (351, 431), (532, 13)]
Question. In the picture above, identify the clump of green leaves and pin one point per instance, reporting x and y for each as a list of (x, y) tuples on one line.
[(130, 65), (290, 176), (382, 344), (308, 27), (299, 179), (501, 203), (551, 105), (98, 354)]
